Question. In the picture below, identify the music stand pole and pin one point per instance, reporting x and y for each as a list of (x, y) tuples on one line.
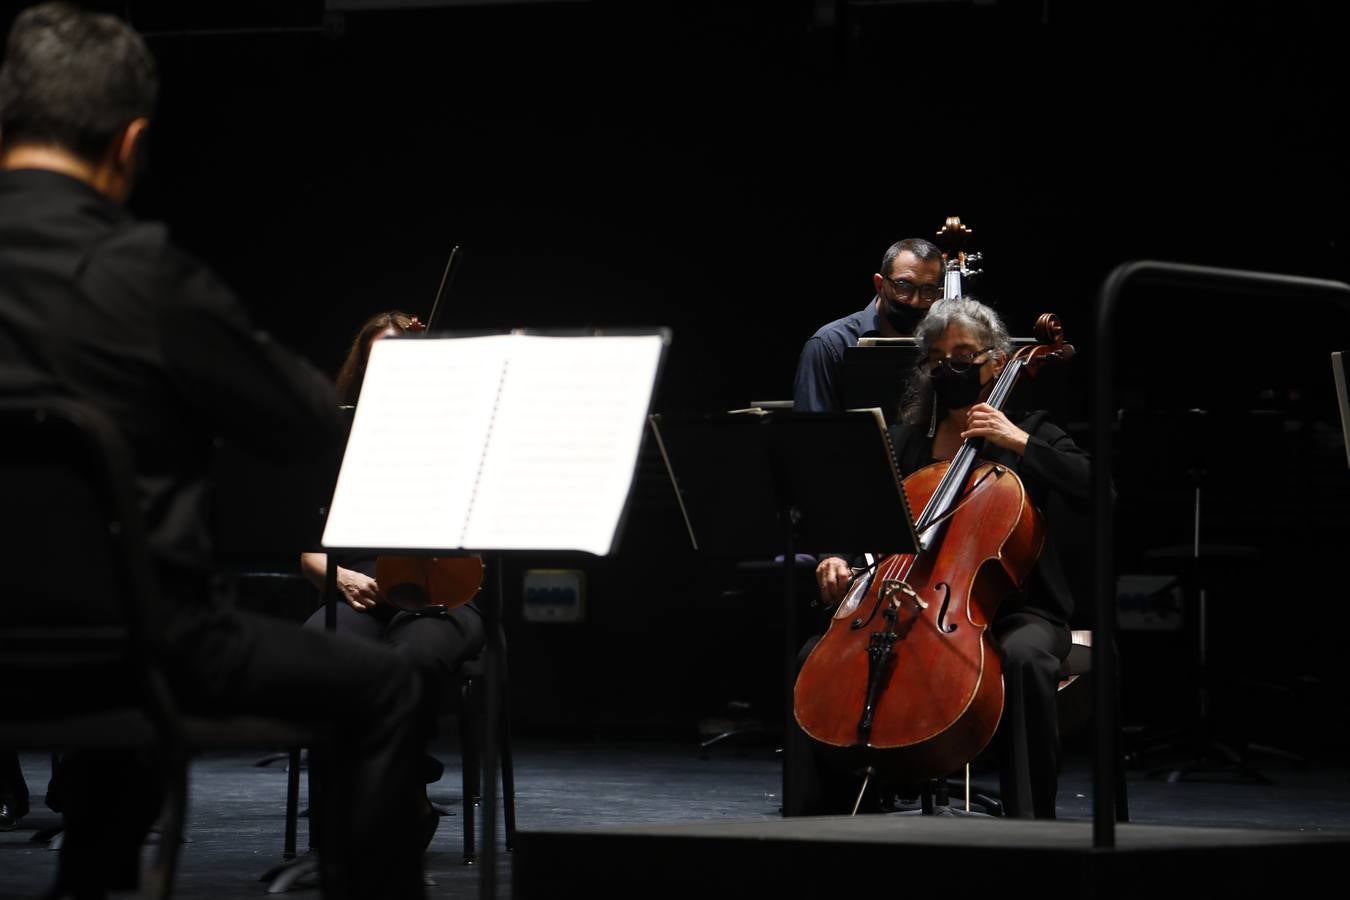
[(492, 650)]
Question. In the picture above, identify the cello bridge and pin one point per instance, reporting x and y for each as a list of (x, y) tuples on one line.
[(892, 586)]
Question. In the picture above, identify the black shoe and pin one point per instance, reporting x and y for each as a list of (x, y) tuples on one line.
[(10, 815), (432, 769)]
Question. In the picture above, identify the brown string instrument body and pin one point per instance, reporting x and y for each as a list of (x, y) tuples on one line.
[(908, 672), (416, 582)]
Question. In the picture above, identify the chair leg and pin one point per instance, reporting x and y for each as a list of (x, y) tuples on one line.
[(294, 871), (1122, 799), (292, 803), (468, 742), (508, 773), (1118, 754), (161, 875)]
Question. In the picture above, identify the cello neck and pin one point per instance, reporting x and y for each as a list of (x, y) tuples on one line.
[(949, 489)]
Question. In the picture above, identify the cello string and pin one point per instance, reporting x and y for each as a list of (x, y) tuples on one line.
[(948, 488)]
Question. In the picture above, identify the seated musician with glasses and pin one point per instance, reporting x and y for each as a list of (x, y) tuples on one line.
[(964, 346), (909, 281)]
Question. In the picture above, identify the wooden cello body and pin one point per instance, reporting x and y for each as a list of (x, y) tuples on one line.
[(909, 666)]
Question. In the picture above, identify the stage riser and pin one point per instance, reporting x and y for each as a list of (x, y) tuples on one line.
[(637, 864)]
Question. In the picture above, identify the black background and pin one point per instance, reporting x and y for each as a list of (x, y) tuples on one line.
[(735, 171)]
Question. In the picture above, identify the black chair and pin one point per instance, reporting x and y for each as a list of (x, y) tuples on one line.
[(1074, 699), (469, 716), (75, 639)]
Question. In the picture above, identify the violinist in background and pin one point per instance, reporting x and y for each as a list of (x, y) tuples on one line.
[(910, 280), (963, 347), (435, 640)]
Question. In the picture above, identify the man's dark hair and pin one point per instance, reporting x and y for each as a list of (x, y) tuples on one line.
[(926, 251), (73, 79)]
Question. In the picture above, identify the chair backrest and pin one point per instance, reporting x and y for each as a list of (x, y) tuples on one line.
[(80, 595)]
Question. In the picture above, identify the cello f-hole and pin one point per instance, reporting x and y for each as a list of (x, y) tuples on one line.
[(943, 625)]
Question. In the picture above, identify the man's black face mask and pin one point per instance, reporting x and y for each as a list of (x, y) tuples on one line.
[(902, 316)]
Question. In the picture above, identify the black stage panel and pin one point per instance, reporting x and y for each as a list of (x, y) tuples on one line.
[(960, 857)]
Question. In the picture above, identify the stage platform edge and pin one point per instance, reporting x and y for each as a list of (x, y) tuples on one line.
[(961, 857)]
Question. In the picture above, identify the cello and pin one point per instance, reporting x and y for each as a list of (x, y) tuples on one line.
[(417, 582), (908, 673)]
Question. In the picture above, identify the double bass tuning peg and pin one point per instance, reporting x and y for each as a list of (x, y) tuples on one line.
[(953, 238)]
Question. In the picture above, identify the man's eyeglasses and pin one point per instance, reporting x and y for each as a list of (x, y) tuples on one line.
[(961, 362), (906, 289)]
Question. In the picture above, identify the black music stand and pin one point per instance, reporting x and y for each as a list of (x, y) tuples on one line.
[(759, 484), (1194, 433)]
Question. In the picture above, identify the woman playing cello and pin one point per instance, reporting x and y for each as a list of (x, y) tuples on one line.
[(963, 347)]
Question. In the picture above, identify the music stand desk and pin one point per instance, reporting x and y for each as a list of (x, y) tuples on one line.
[(768, 483)]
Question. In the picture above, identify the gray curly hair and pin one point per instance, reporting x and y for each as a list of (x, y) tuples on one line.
[(971, 314)]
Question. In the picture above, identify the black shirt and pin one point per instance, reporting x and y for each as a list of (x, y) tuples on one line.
[(96, 305), (816, 386)]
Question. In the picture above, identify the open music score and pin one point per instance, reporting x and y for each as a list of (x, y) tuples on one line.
[(504, 442)]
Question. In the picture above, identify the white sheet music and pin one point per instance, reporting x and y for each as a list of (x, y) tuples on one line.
[(509, 442)]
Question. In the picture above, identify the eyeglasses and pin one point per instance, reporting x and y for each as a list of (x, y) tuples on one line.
[(926, 292), (961, 363)]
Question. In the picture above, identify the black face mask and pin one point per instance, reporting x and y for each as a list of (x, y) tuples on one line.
[(954, 389), (902, 316)]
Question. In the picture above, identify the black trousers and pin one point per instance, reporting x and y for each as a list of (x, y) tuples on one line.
[(1027, 739), (224, 661), (821, 780), (435, 643)]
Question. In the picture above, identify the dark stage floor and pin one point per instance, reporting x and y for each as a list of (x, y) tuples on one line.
[(237, 809)]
